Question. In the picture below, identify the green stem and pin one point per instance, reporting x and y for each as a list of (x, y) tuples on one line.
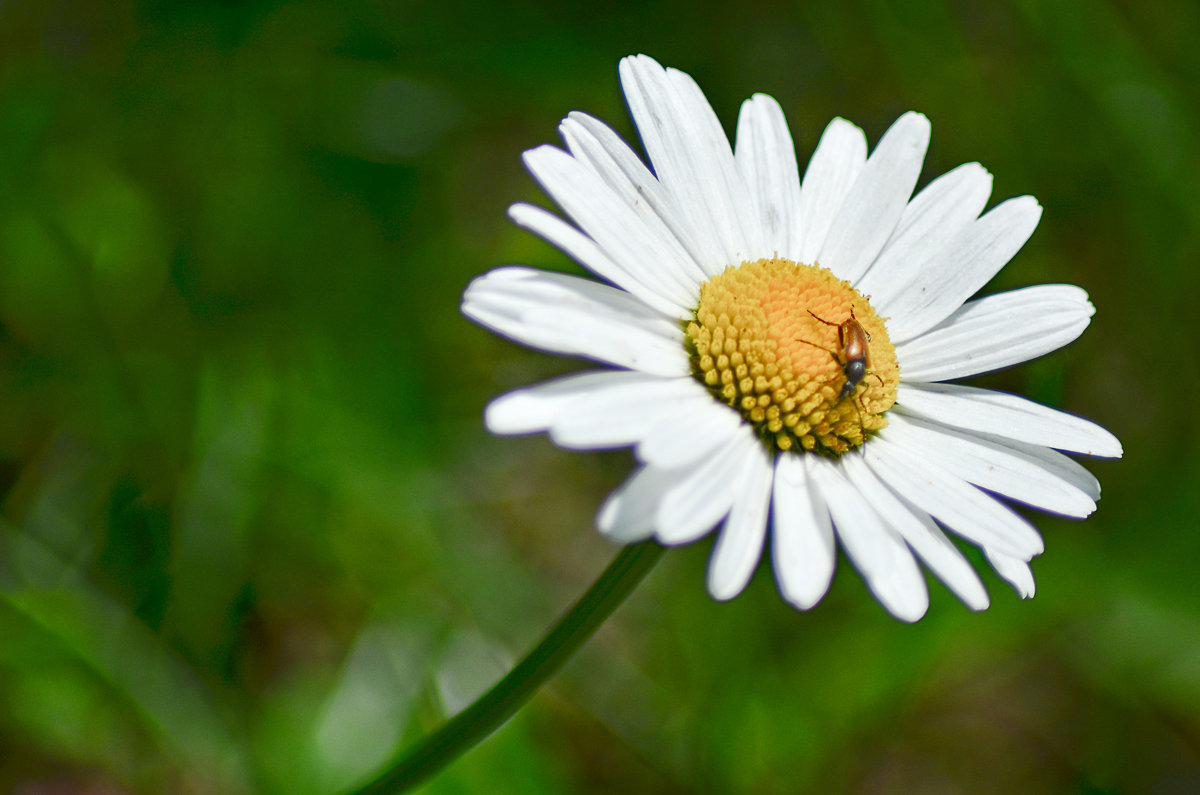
[(497, 705)]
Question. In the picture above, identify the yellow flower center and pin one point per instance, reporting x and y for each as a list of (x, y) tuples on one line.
[(800, 353)]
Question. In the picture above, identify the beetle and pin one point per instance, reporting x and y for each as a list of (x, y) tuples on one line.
[(853, 341)]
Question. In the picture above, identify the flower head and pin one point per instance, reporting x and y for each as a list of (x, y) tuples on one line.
[(782, 345)]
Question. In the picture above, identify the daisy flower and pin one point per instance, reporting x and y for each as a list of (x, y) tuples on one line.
[(782, 347)]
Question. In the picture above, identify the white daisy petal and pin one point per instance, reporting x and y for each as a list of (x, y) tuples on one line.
[(597, 144), (703, 497), (1015, 570), (646, 92), (920, 533), (537, 408), (586, 252), (690, 429), (836, 163), (997, 331), (740, 543), (627, 516), (591, 141), (803, 549), (766, 157), (650, 259), (692, 159), (964, 264), (876, 550), (951, 500), (935, 215), (1006, 415), (875, 202), (574, 316), (1055, 463), (621, 413), (736, 209), (991, 466)]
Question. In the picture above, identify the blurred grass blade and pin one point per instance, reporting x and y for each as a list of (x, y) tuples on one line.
[(160, 691), (493, 708)]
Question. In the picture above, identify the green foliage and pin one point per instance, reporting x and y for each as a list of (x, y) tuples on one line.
[(254, 535)]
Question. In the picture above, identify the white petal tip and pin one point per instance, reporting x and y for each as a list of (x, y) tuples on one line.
[(918, 121), (844, 126), (471, 293), (724, 591), (1016, 572), (978, 606), (513, 414), (623, 518), (639, 61), (537, 156), (909, 615), (762, 99), (802, 601), (497, 420), (609, 524), (628, 535), (1027, 203), (907, 604), (1025, 590), (606, 518), (1083, 511), (519, 211), (805, 598), (973, 595), (1107, 446)]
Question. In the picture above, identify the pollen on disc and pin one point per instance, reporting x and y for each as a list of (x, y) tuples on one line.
[(775, 340)]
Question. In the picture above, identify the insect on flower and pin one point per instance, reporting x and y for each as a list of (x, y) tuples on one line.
[(854, 347)]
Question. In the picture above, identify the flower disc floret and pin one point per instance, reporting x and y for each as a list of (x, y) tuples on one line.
[(766, 340)]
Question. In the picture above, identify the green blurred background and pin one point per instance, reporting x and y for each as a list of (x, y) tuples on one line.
[(255, 536)]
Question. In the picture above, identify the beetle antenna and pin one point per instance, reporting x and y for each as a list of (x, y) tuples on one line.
[(821, 319)]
